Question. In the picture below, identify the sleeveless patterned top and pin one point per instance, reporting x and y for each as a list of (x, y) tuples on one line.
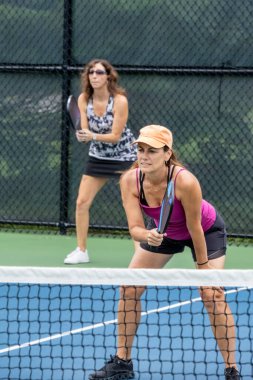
[(122, 150)]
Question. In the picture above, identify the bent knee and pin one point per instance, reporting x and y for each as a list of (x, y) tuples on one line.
[(83, 203), (131, 292), (212, 294)]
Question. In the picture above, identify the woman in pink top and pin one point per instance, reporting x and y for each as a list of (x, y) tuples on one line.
[(194, 223)]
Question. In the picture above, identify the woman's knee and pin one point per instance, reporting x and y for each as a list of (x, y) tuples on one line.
[(212, 296), (131, 292), (82, 203)]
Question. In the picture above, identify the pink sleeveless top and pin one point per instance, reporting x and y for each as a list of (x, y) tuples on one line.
[(177, 229)]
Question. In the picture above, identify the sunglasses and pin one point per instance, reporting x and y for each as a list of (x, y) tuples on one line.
[(97, 72)]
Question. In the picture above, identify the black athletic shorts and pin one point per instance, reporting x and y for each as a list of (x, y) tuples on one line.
[(216, 241), (106, 168)]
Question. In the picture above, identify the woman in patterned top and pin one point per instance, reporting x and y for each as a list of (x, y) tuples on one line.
[(104, 112)]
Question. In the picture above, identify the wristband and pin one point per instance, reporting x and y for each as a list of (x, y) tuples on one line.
[(203, 263), (94, 136)]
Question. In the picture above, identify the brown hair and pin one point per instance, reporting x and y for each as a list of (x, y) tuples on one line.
[(173, 158), (112, 75)]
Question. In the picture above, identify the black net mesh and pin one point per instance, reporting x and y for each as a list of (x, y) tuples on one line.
[(60, 325)]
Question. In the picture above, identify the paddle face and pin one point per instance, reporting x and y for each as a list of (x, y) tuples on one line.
[(74, 113), (166, 208)]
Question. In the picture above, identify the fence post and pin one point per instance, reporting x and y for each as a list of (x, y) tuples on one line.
[(65, 138)]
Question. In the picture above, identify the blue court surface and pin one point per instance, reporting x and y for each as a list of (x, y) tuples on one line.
[(65, 332)]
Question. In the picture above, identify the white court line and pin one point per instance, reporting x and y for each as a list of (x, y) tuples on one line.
[(102, 324)]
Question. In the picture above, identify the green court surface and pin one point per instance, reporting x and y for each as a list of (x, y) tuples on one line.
[(20, 249)]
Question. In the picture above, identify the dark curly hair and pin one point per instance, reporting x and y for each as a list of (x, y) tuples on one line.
[(112, 77)]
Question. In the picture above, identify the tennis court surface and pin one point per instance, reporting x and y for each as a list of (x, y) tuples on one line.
[(59, 322)]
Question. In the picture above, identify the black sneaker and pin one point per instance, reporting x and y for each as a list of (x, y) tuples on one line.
[(231, 373), (114, 369)]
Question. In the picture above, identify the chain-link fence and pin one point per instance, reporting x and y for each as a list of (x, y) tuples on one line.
[(185, 64)]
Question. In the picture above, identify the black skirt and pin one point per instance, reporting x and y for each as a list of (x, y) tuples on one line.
[(106, 168)]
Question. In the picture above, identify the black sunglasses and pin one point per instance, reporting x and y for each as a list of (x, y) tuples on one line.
[(97, 72)]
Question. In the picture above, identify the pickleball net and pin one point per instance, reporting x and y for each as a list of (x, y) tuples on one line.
[(61, 323)]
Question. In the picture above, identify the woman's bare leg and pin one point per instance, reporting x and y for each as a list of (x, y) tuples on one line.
[(88, 189), (129, 308), (221, 318)]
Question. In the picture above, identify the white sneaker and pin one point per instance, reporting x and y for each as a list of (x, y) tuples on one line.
[(77, 257)]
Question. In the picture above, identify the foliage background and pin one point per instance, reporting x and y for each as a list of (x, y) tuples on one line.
[(185, 64)]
